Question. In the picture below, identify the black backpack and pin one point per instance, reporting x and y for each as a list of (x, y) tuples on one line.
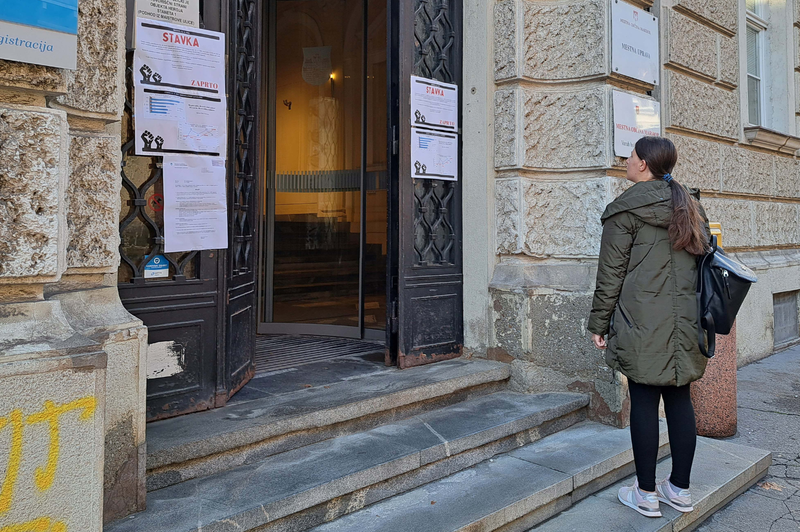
[(722, 284)]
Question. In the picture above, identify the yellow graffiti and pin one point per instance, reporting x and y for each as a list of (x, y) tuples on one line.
[(51, 414), (43, 524), (44, 476), (14, 458)]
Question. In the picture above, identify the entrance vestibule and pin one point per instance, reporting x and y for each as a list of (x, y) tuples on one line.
[(324, 207)]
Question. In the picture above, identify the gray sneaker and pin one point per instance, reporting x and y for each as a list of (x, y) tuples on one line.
[(644, 503), (679, 499)]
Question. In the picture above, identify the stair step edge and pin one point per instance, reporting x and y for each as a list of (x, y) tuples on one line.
[(226, 441), (512, 484), (290, 465)]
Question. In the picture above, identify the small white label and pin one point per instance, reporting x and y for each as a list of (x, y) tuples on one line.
[(434, 155)]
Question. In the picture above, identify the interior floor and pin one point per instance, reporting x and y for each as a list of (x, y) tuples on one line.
[(277, 352)]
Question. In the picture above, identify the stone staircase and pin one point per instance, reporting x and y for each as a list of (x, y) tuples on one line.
[(443, 447)]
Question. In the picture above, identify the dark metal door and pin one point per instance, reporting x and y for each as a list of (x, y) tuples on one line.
[(426, 293), (201, 314), (240, 290)]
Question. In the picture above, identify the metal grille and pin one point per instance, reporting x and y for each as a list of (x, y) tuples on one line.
[(141, 225), (277, 352), (434, 57), (243, 178), (786, 321)]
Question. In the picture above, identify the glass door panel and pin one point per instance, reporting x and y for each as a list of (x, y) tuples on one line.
[(317, 240), (324, 265)]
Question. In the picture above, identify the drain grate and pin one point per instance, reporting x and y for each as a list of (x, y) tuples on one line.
[(281, 351)]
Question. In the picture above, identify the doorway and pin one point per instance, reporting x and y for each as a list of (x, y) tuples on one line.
[(324, 206)]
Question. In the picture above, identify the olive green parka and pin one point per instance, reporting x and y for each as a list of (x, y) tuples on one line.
[(645, 297)]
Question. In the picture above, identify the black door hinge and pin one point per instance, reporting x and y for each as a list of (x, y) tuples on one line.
[(394, 317)]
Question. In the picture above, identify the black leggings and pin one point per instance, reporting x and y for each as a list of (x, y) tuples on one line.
[(644, 432)]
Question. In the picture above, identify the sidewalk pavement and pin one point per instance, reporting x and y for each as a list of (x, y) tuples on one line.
[(769, 418)]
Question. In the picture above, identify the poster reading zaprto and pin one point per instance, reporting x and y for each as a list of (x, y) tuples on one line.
[(179, 96), (41, 32)]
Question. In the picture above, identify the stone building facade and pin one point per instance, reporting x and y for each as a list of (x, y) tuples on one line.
[(550, 152), (538, 170), (71, 354)]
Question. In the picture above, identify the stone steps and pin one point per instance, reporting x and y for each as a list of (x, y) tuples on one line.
[(301, 488), (206, 443), (562, 478)]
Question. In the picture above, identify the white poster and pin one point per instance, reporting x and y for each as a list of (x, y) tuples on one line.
[(434, 104), (195, 204), (184, 12), (179, 90), (634, 118), (41, 33), (317, 67), (634, 42), (434, 155)]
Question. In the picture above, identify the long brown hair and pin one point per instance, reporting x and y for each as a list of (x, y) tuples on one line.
[(686, 227)]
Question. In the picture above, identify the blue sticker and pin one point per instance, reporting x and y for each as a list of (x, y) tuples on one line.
[(156, 268)]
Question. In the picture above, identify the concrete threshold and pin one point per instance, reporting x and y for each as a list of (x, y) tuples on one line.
[(373, 465), (308, 415)]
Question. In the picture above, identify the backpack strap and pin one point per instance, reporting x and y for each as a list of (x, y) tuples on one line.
[(712, 334)]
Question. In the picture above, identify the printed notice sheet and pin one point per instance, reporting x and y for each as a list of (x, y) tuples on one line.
[(434, 155), (179, 90), (195, 204), (434, 104)]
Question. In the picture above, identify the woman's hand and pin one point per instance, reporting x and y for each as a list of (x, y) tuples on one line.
[(599, 341)]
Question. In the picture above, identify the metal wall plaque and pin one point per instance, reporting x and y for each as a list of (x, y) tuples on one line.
[(634, 42), (634, 118)]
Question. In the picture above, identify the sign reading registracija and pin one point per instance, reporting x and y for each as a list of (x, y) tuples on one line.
[(44, 32)]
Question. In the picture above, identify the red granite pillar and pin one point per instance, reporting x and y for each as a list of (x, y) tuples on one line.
[(714, 396)]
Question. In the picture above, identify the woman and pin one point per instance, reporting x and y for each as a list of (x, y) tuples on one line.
[(645, 303)]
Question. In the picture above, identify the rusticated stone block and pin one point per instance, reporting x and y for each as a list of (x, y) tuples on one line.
[(699, 162), (728, 60), (96, 85), (505, 40), (93, 203), (505, 128), (32, 175), (509, 323), (735, 217), (787, 177), (746, 171), (698, 106), (564, 41), (565, 129), (507, 212), (691, 44), (34, 77), (721, 12), (562, 219), (776, 224)]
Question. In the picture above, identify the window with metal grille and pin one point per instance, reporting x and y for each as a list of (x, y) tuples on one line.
[(786, 326)]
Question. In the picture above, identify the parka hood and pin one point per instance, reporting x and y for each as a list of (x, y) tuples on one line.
[(651, 201)]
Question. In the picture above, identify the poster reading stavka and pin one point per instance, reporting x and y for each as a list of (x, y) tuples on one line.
[(179, 90)]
